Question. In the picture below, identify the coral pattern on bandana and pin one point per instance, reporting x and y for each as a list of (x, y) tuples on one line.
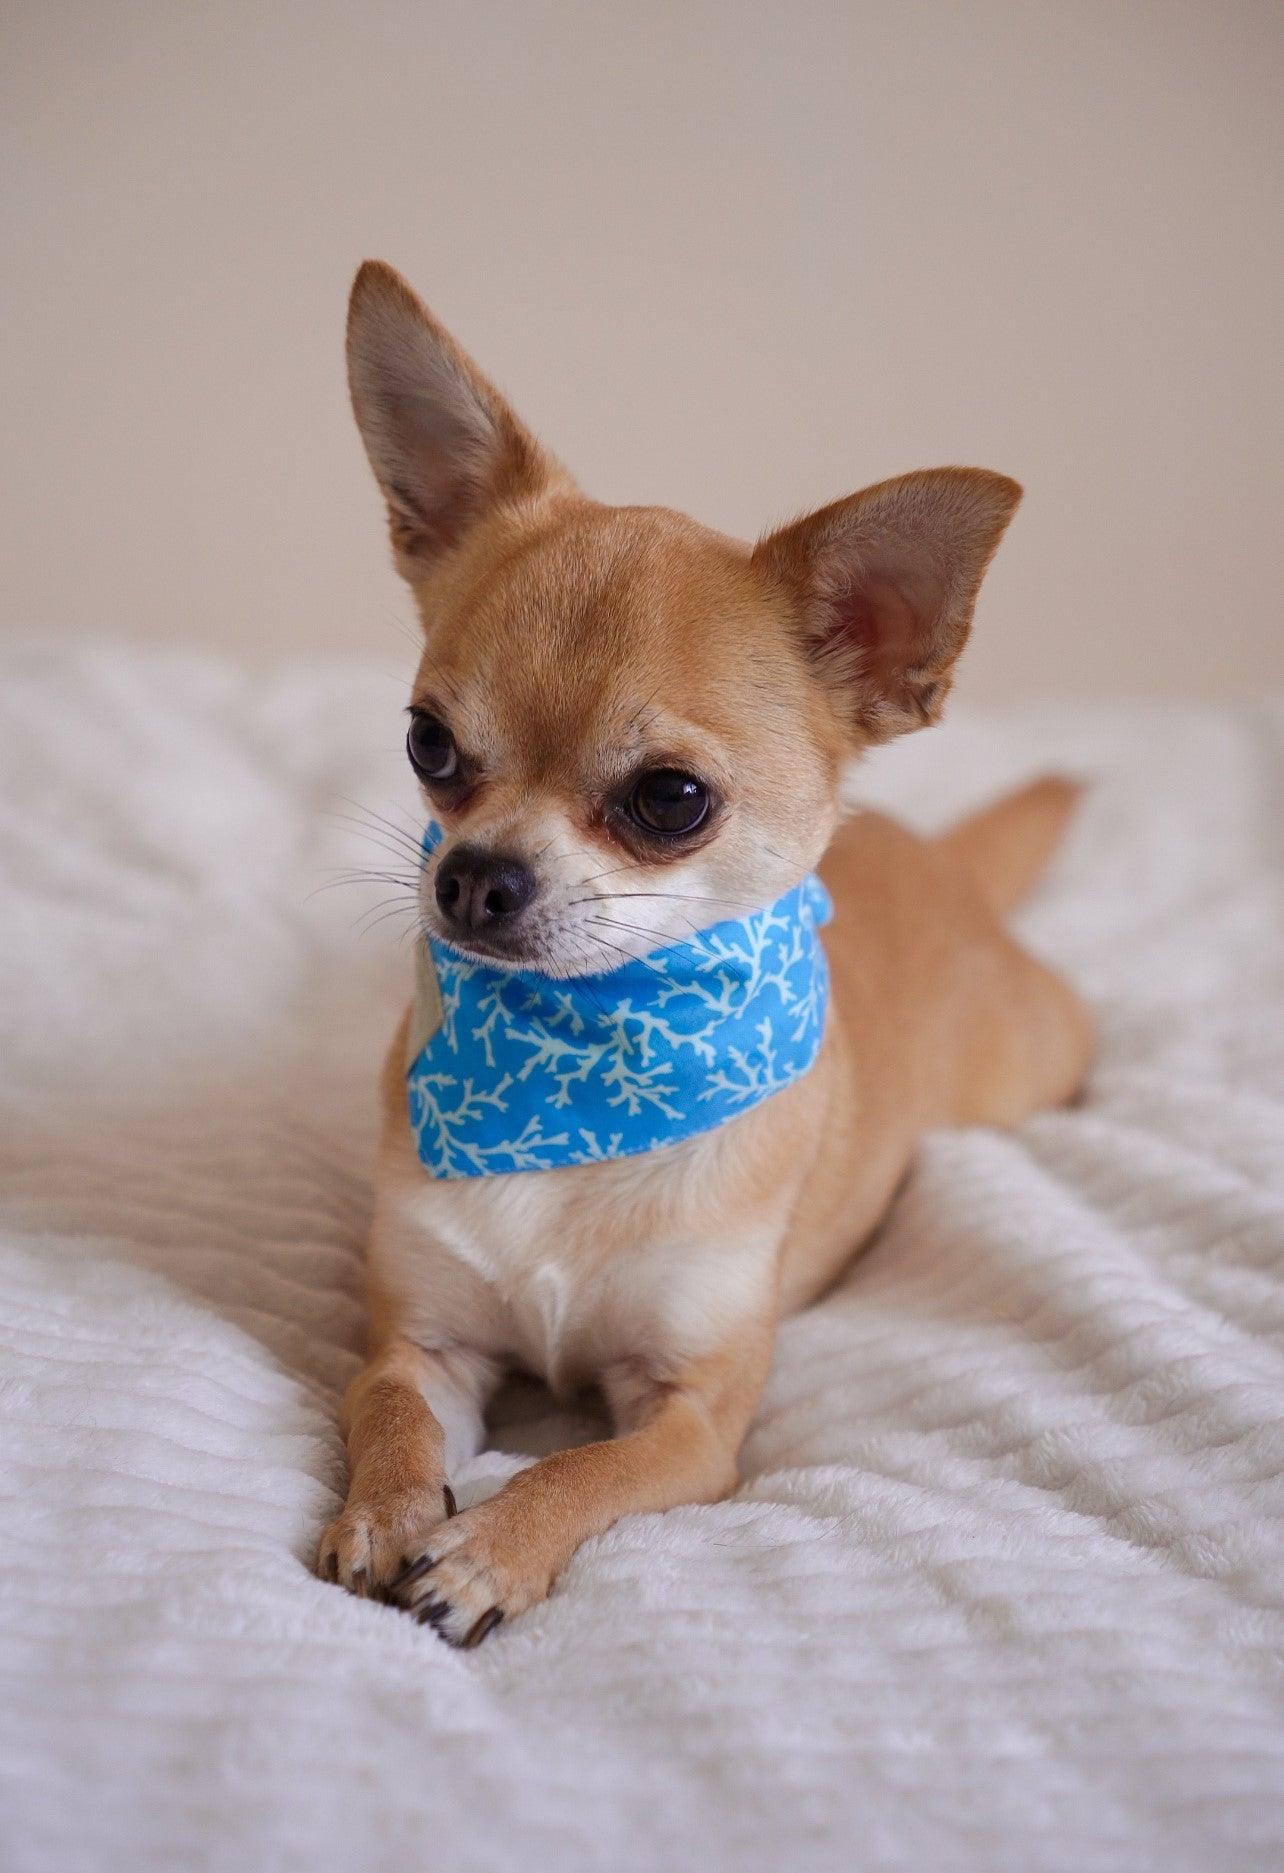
[(514, 1071)]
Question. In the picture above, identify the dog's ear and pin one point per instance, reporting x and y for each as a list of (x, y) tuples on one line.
[(443, 443), (885, 583)]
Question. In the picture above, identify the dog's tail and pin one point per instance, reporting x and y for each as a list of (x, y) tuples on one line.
[(1007, 846)]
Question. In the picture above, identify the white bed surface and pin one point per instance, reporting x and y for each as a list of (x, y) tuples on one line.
[(1002, 1588)]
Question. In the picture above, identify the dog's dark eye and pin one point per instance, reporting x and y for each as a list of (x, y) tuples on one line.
[(431, 747), (668, 802)]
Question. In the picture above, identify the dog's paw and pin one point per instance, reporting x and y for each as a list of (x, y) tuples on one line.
[(472, 1573), (367, 1546)]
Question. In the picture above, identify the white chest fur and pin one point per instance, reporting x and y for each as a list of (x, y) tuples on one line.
[(569, 1273)]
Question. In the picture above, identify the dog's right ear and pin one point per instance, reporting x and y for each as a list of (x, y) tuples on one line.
[(444, 445)]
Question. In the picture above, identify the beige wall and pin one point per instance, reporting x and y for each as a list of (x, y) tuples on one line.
[(737, 258)]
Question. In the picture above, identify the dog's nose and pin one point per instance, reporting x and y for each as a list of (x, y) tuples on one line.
[(479, 890)]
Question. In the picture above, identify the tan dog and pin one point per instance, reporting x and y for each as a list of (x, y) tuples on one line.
[(571, 652)]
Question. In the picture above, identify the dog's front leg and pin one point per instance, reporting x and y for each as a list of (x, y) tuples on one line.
[(409, 1417), (679, 1439)]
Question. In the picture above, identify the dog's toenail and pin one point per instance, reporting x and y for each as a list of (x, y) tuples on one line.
[(448, 1496), (487, 1623), (413, 1571)]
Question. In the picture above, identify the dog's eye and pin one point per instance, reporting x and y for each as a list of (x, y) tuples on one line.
[(431, 747), (668, 802)]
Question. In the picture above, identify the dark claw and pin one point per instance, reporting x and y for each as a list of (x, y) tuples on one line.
[(431, 1612), (487, 1623), (360, 1584), (329, 1569), (412, 1571), (448, 1495)]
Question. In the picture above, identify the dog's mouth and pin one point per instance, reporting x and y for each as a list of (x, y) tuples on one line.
[(534, 952), (542, 939), (518, 950), (508, 949)]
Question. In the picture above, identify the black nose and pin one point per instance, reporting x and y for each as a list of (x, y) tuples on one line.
[(481, 890)]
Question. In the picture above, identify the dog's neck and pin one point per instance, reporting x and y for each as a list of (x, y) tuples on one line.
[(508, 1070)]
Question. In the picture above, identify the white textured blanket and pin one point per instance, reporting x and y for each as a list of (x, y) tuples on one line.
[(1002, 1588)]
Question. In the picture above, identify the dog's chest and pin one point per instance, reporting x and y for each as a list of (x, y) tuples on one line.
[(570, 1276)]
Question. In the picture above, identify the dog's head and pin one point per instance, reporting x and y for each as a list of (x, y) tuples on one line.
[(631, 727)]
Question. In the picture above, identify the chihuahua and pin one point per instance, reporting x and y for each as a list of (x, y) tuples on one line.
[(631, 733)]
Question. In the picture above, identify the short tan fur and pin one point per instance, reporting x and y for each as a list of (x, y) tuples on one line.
[(569, 646)]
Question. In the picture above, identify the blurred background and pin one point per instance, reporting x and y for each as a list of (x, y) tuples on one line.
[(739, 259)]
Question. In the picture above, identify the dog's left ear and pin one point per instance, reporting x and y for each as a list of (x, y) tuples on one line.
[(885, 583)]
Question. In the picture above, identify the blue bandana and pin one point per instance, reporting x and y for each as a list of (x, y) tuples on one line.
[(508, 1070)]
